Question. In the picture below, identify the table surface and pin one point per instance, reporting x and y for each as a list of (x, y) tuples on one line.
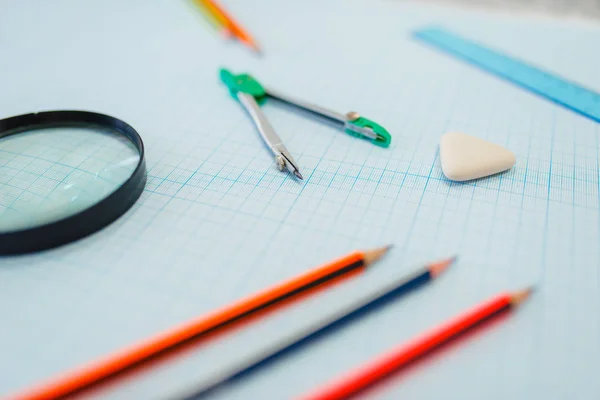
[(217, 221)]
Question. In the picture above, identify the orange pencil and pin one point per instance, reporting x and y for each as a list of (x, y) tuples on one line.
[(93, 373), (234, 27), (357, 381), (214, 17)]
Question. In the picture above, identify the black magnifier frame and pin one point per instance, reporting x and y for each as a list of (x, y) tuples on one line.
[(93, 218)]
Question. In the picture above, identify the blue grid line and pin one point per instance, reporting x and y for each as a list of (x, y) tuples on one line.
[(55, 162), (491, 230), (505, 176), (547, 217), (74, 143), (237, 288), (475, 185), (525, 175), (413, 93), (6, 184), (42, 176), (433, 165)]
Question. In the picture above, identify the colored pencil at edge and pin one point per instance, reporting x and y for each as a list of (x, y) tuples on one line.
[(358, 308), (234, 27), (217, 20), (359, 380), (88, 375)]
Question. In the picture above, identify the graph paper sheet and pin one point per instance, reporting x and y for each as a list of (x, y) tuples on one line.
[(217, 221)]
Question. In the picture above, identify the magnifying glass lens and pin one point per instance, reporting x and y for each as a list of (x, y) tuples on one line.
[(48, 174)]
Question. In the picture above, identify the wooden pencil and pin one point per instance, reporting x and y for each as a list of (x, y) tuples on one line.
[(358, 308), (216, 19), (234, 27), (97, 371), (359, 380)]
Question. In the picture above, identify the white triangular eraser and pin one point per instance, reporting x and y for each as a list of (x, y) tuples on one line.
[(466, 157)]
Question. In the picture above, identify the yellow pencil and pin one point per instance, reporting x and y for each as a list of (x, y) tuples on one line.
[(213, 17), (234, 27)]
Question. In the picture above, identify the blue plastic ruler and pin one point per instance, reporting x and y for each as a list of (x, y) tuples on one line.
[(529, 77)]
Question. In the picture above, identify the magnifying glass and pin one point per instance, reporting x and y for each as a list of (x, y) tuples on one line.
[(65, 175)]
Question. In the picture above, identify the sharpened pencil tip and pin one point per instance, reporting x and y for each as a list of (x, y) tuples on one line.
[(375, 254), (298, 174), (257, 49), (252, 45), (520, 296), (437, 268)]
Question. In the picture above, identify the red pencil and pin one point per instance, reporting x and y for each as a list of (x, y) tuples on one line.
[(367, 375)]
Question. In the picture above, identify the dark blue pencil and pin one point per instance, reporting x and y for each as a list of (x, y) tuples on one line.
[(379, 298)]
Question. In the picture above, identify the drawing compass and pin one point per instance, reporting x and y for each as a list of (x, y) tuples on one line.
[(251, 94)]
